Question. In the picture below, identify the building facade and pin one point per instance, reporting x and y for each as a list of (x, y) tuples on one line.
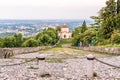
[(64, 32)]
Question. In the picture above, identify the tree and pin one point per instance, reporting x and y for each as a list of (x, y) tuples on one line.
[(115, 37), (89, 35), (107, 15), (85, 37), (47, 37), (109, 21), (58, 28), (76, 39), (118, 6), (9, 42), (1, 42), (84, 27), (77, 31), (47, 40), (107, 27), (30, 43), (117, 21), (97, 21), (39, 37), (109, 10), (18, 40)]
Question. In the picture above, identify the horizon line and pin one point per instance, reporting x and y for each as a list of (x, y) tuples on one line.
[(46, 19)]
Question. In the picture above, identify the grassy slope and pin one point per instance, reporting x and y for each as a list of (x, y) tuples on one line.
[(64, 42)]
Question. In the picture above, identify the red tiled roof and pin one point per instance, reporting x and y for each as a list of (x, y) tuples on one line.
[(64, 26)]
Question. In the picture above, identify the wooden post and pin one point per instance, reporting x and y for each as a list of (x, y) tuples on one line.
[(41, 65), (90, 66)]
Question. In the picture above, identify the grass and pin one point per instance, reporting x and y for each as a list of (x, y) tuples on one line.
[(58, 55), (109, 46), (64, 42)]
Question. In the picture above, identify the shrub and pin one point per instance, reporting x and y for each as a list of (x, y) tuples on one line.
[(30, 43), (115, 38), (104, 42)]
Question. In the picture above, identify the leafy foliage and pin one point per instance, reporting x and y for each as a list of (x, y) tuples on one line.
[(9, 42), (84, 35), (108, 22), (118, 6), (84, 27), (18, 40), (115, 38), (30, 43), (47, 37)]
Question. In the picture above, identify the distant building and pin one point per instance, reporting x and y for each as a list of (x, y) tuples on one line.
[(64, 32)]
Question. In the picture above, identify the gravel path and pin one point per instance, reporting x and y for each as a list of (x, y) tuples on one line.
[(72, 68)]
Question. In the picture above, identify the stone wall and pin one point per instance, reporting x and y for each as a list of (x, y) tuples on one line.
[(7, 52), (115, 51)]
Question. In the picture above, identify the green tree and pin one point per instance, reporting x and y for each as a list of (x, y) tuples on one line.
[(9, 42), (39, 37), (47, 37), (88, 36), (109, 21), (107, 27), (117, 22), (18, 40), (47, 40), (85, 37), (115, 37), (97, 21), (107, 16), (76, 39), (77, 31), (118, 6), (109, 10), (53, 36), (30, 43), (84, 27), (58, 28), (1, 42)]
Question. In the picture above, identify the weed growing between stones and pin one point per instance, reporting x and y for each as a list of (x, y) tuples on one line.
[(45, 75), (95, 74)]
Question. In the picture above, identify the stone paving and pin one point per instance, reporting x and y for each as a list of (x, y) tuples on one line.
[(73, 68)]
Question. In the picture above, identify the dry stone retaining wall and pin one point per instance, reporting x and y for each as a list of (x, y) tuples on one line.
[(115, 51), (6, 52)]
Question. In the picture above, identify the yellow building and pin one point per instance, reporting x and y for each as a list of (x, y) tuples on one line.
[(64, 32)]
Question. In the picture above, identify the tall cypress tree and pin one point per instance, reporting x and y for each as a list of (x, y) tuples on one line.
[(118, 6), (84, 27)]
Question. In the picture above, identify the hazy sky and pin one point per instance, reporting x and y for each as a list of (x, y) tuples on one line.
[(49, 9)]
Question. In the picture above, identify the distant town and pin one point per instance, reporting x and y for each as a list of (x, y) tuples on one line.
[(31, 27)]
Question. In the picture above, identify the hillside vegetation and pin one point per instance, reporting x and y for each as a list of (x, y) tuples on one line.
[(46, 37), (105, 30)]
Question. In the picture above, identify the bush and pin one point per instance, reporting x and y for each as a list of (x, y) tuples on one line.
[(30, 43), (115, 38), (104, 42)]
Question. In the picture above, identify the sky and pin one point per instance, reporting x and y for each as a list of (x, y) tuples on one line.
[(49, 9)]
